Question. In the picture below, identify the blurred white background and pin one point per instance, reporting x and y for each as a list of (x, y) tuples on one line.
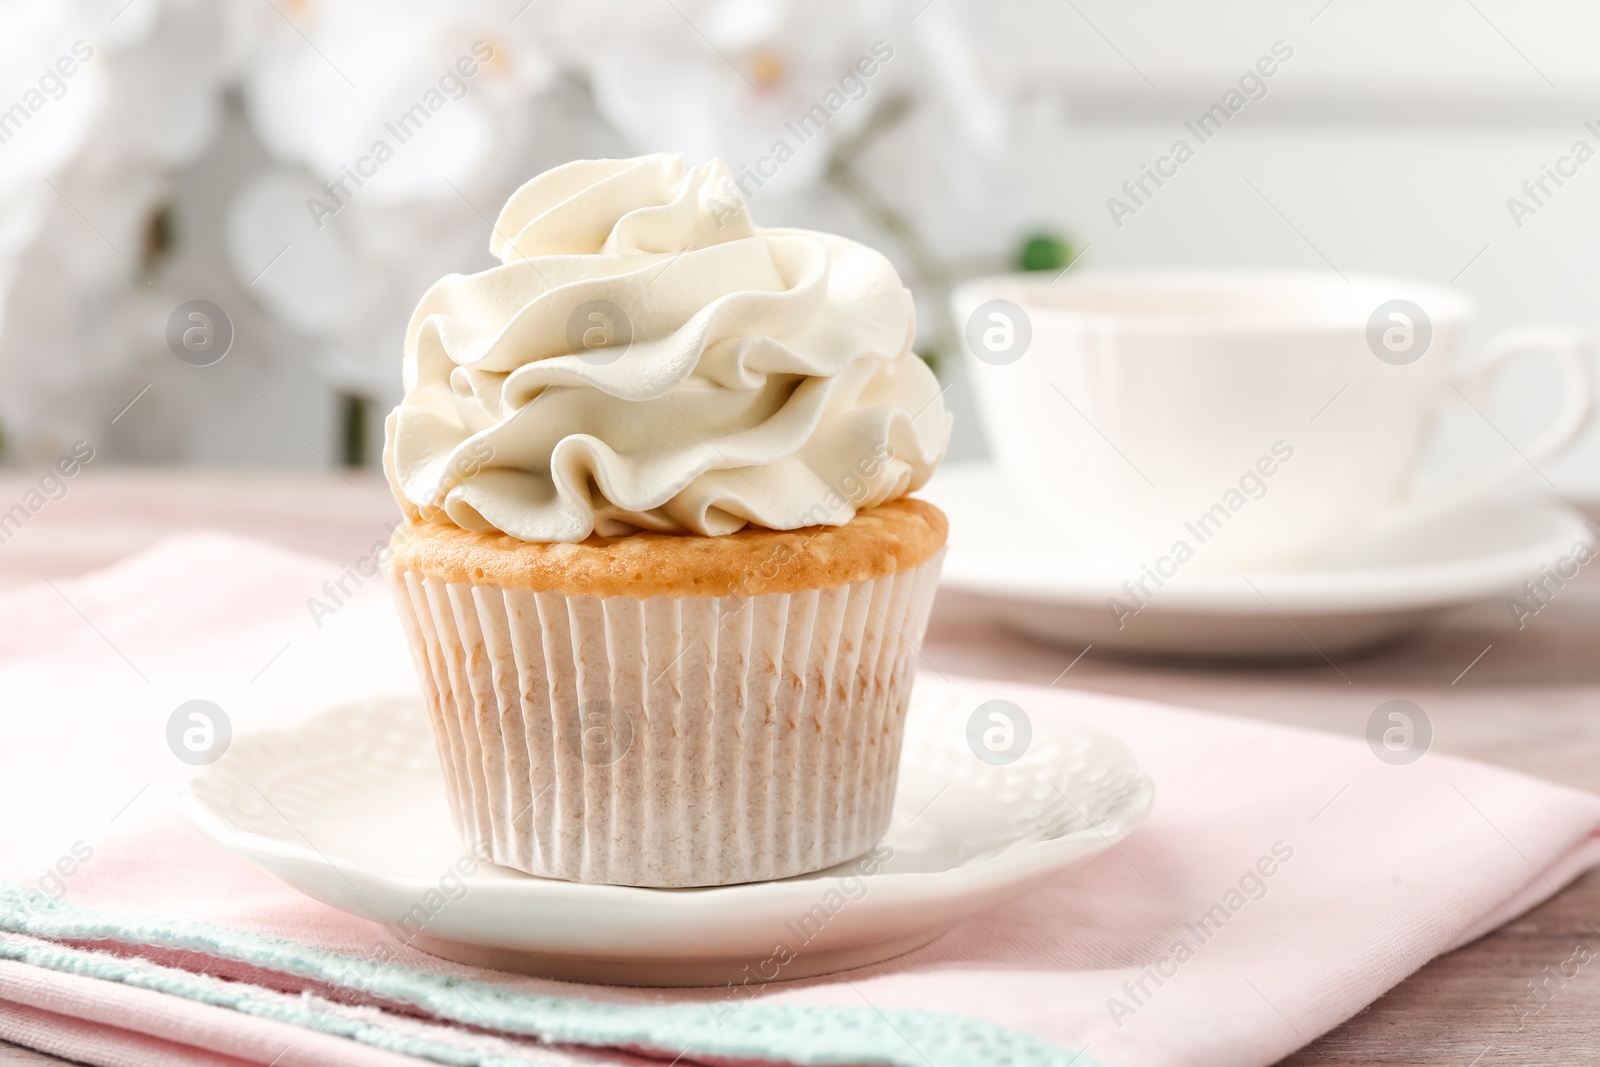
[(176, 162)]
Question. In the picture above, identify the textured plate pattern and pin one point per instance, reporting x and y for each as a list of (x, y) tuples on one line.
[(350, 808)]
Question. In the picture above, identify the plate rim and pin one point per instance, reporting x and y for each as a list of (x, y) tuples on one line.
[(1017, 865), (1310, 591)]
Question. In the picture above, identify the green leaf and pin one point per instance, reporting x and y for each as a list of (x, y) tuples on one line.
[(1044, 251)]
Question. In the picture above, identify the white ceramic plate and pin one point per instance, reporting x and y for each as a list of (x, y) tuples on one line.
[(1386, 582), (350, 809)]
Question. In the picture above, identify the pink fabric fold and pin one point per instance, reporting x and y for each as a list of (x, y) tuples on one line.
[(74, 1038), (108, 1022), (1302, 875)]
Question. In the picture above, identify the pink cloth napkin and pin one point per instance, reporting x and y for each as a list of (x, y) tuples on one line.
[(1284, 879)]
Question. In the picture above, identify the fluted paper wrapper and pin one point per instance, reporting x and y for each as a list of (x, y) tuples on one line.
[(670, 741)]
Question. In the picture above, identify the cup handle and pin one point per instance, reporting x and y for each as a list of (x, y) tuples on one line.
[(1570, 350)]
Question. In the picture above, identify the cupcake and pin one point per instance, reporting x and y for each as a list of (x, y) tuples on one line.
[(659, 571)]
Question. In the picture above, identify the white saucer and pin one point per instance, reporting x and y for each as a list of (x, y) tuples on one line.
[(1382, 584), (350, 809)]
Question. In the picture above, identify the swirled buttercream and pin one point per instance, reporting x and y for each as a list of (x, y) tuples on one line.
[(646, 358)]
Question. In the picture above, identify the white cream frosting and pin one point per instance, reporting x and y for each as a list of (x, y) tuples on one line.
[(769, 378)]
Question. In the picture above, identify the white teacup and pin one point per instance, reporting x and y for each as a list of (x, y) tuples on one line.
[(1256, 419)]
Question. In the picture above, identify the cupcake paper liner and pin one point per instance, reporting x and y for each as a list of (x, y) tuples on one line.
[(670, 741)]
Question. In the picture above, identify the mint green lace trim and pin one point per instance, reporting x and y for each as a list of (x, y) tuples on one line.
[(801, 1034)]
